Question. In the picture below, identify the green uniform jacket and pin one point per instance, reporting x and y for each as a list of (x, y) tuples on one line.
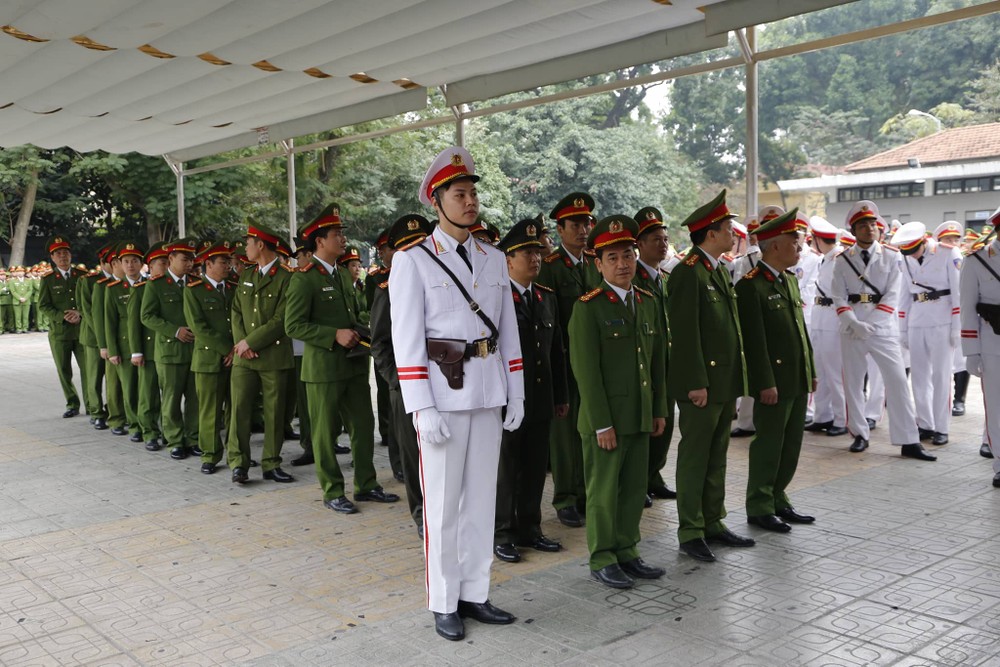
[(318, 305), (84, 299), (542, 351), (5, 298), (163, 312), (774, 332), (569, 282), (209, 315), (59, 295), (97, 299), (707, 346), (117, 296), (618, 359), (372, 284), (140, 338), (259, 317), (381, 327), (20, 290)]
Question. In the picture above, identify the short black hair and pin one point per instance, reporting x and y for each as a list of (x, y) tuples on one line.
[(698, 237), (320, 233)]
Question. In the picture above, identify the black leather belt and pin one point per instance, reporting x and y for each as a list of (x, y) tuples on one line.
[(824, 301), (933, 295), (482, 348), (864, 298)]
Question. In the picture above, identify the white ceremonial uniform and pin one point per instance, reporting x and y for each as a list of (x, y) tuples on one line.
[(741, 266), (458, 476), (824, 332), (929, 319), (882, 344), (978, 285), (807, 271), (875, 403), (745, 263)]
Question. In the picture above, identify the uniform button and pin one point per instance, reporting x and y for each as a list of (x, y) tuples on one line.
[(616, 334), (641, 367), (538, 362), (711, 363), (538, 344), (638, 349), (538, 380), (778, 362), (644, 383)]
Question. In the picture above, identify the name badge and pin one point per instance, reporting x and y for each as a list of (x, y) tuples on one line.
[(773, 296), (612, 323), (247, 284), (710, 287), (329, 288)]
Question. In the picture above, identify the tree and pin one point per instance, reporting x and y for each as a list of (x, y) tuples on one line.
[(984, 94)]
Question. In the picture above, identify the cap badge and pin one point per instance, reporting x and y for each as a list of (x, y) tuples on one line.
[(58, 239), (456, 160), (336, 212), (531, 231), (226, 245), (650, 215), (412, 225), (579, 203), (129, 246), (615, 227), (864, 208)]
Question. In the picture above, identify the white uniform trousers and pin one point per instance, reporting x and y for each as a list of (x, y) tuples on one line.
[(459, 481), (829, 397), (875, 405), (931, 375), (744, 414), (991, 400), (886, 353)]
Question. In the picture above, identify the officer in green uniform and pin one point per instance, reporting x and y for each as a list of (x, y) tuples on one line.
[(263, 356), (386, 430), (20, 296), (163, 312), (618, 353), (653, 245), (118, 295), (116, 401), (207, 307), (142, 342), (707, 374), (404, 232), (58, 302), (524, 452), (351, 261), (323, 311), (780, 372), (38, 322), (302, 259), (93, 376), (570, 272), (6, 313)]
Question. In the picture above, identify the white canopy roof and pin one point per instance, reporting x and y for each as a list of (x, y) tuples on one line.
[(191, 78)]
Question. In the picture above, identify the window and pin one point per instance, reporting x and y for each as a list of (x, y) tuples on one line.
[(875, 192), (959, 185)]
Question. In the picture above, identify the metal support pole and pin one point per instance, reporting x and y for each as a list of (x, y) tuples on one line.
[(459, 131), (288, 145), (747, 39), (178, 169)]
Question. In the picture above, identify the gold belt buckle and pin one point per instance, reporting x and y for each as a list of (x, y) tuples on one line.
[(922, 296), (865, 298), (482, 349)]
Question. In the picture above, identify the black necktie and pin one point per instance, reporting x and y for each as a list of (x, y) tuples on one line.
[(865, 256), (222, 289), (628, 302), (920, 260), (464, 254)]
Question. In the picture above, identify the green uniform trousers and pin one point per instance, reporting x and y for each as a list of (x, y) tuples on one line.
[(774, 453), (116, 398), (328, 402), (520, 481), (302, 407), (615, 497), (42, 319), (245, 386), (409, 455), (148, 411), (93, 378), (566, 457), (213, 395), (63, 352), (128, 380), (21, 311), (180, 423), (291, 395), (385, 430), (658, 448), (701, 469)]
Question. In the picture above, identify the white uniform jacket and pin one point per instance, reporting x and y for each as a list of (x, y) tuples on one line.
[(824, 318), (807, 272), (425, 303), (980, 286), (882, 272), (938, 271)]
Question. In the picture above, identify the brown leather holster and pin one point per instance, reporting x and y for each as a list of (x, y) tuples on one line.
[(449, 355)]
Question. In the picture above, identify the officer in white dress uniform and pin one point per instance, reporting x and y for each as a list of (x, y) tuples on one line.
[(830, 413), (949, 233), (865, 291), (980, 287), (458, 419), (929, 325)]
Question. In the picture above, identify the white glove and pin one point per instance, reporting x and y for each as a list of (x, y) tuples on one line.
[(974, 364), (430, 426), (515, 413)]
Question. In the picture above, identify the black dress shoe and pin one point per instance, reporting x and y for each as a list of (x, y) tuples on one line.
[(790, 515), (208, 468), (179, 453), (292, 435), (698, 549), (119, 430), (859, 444), (307, 459), (996, 481), (769, 522), (612, 576), (815, 427), (835, 431), (541, 543), (153, 446), (342, 505), (916, 451), (648, 502), (341, 449), (100, 424), (399, 476), (568, 516), (663, 492), (939, 439), (925, 433), (136, 437), (485, 612), (871, 424), (730, 539), (958, 409), (508, 553), (984, 451), (240, 476), (93, 420), (195, 450), (254, 464), (376, 495), (741, 433), (639, 569), (278, 475), (449, 626), (72, 412)]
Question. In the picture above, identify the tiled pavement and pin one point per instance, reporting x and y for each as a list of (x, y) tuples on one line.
[(110, 555)]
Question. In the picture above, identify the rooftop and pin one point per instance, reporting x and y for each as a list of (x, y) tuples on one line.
[(959, 144)]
